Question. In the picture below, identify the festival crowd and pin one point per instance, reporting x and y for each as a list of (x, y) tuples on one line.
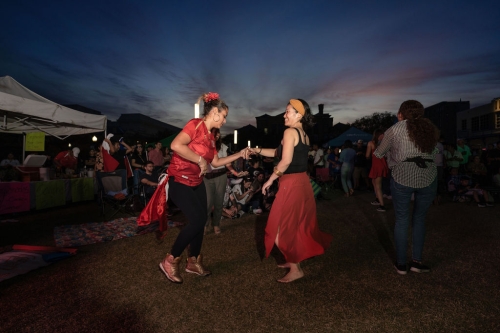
[(208, 183)]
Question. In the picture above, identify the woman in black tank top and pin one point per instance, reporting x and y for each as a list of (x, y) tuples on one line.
[(292, 225)]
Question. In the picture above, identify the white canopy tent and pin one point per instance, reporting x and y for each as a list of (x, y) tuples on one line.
[(23, 111)]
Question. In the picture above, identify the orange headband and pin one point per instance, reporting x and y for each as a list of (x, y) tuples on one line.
[(297, 105)]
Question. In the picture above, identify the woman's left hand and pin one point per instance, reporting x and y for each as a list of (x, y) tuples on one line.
[(266, 186)]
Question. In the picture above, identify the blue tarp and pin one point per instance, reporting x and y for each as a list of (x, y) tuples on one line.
[(352, 134)]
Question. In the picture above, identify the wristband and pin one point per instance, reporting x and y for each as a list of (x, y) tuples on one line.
[(277, 172), (260, 151)]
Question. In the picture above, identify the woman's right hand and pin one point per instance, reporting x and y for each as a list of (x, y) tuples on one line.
[(245, 153), (266, 186), (203, 166)]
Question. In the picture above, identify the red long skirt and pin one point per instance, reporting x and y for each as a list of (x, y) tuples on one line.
[(293, 217)]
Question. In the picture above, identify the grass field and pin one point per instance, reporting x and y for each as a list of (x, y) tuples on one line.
[(118, 287)]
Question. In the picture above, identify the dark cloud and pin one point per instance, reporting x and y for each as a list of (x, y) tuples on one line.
[(157, 58)]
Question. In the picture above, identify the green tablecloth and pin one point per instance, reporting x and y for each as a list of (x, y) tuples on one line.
[(55, 193), (50, 194), (82, 189)]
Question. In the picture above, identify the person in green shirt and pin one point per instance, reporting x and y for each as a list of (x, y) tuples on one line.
[(465, 151)]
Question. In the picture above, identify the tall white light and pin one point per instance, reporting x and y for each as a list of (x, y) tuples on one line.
[(197, 110), (249, 143), (235, 137)]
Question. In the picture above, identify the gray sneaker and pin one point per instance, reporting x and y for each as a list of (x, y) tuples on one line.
[(401, 269), (417, 267)]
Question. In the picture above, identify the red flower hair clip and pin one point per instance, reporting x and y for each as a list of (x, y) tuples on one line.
[(210, 97)]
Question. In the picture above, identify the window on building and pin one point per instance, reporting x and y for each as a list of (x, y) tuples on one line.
[(265, 130), (474, 124), (464, 124), (497, 120), (484, 122), (496, 105)]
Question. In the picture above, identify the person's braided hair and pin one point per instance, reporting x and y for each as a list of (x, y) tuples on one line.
[(422, 132)]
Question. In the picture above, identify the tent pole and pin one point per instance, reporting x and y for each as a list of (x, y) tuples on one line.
[(24, 147)]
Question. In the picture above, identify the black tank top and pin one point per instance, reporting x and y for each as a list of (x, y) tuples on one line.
[(299, 159)]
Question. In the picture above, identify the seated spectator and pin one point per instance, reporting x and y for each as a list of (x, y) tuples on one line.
[(67, 161), (244, 194), (453, 181), (257, 200), (149, 180), (229, 205), (478, 171), (7, 168), (254, 170), (466, 190), (9, 161), (138, 163)]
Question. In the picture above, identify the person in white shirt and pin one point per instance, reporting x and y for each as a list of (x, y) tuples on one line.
[(319, 161)]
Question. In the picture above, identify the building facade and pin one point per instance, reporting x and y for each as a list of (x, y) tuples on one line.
[(480, 126), (444, 116)]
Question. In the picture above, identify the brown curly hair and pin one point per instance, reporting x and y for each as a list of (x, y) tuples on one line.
[(422, 132), (216, 102)]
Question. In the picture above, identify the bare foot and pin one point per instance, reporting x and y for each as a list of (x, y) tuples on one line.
[(291, 276), (285, 265)]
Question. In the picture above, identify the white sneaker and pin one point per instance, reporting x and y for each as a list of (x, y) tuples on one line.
[(257, 211)]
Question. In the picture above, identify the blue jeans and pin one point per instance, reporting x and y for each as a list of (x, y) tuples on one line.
[(346, 176), (401, 199)]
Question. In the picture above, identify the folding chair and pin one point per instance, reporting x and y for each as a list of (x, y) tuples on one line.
[(113, 192), (323, 178), (143, 195)]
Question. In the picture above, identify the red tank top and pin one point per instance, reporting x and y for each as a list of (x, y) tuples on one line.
[(203, 144)]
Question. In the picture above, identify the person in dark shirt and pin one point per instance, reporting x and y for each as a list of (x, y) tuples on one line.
[(254, 170), (149, 180), (360, 166), (120, 154)]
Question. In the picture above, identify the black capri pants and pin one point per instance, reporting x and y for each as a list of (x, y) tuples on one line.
[(192, 201)]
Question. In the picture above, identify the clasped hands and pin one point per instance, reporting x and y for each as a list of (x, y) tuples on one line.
[(247, 152), (244, 153)]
